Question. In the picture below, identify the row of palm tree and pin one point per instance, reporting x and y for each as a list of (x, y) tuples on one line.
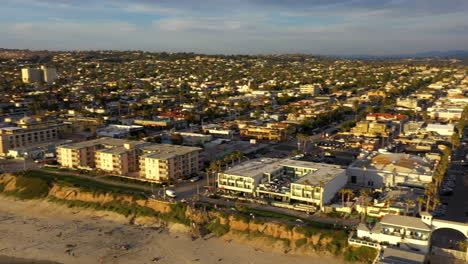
[(348, 193), (439, 174), (220, 165)]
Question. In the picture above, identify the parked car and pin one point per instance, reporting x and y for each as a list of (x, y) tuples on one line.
[(194, 179), (171, 193)]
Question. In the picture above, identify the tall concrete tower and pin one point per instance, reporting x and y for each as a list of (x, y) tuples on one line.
[(50, 74), (31, 75)]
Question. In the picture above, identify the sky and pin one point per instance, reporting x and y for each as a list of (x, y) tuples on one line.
[(322, 27)]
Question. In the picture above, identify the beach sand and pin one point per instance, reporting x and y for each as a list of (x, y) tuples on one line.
[(51, 233)]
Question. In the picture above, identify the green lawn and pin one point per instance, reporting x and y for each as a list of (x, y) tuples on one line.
[(79, 182)]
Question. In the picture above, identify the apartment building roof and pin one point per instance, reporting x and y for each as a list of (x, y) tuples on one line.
[(166, 151), (124, 148), (111, 142), (321, 172), (256, 168), (405, 221)]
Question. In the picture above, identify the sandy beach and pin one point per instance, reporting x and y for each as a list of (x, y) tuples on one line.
[(43, 231)]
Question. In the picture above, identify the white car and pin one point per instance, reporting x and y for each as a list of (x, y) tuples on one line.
[(194, 179), (171, 193)]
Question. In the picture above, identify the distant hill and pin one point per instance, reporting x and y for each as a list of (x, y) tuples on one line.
[(429, 54)]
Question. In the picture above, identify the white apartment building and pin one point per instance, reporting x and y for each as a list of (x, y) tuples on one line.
[(162, 162), (397, 229), (49, 74), (312, 89), (139, 159), (285, 180), (30, 75)]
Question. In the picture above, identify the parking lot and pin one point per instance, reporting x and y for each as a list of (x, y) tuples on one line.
[(15, 165)]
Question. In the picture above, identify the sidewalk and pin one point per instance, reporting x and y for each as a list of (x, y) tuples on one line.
[(298, 214)]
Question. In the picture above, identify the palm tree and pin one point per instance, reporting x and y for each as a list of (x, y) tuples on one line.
[(239, 156), (343, 193), (408, 203), (420, 201), (435, 203), (301, 138), (364, 194), (462, 245), (208, 173), (430, 193), (356, 109), (389, 202), (350, 194)]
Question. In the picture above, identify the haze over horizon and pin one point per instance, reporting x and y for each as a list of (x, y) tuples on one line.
[(339, 27)]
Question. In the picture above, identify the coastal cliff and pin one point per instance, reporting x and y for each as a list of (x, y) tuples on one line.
[(199, 219)]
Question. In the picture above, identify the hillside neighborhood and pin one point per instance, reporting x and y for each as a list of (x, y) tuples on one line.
[(375, 147)]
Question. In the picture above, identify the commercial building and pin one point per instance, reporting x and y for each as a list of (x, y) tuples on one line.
[(136, 159), (410, 103), (119, 131), (195, 138), (443, 130), (311, 89), (371, 129), (27, 133), (285, 180), (376, 170), (412, 127)]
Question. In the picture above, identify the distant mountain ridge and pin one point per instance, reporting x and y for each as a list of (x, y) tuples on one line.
[(428, 54)]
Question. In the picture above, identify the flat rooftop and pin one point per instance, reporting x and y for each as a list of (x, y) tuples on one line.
[(124, 148), (256, 168), (393, 255), (321, 172), (398, 162), (405, 221), (110, 142), (166, 151)]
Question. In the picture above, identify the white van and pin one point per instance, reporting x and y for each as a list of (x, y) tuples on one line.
[(171, 193)]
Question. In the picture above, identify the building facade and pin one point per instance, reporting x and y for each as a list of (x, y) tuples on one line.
[(44, 74), (285, 180), (377, 169), (163, 162), (139, 159), (17, 137), (30, 75)]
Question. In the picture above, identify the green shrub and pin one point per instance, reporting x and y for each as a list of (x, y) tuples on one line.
[(243, 218), (123, 208), (131, 181), (361, 254), (286, 242), (30, 188), (84, 184), (217, 228), (177, 214), (307, 231), (300, 242)]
